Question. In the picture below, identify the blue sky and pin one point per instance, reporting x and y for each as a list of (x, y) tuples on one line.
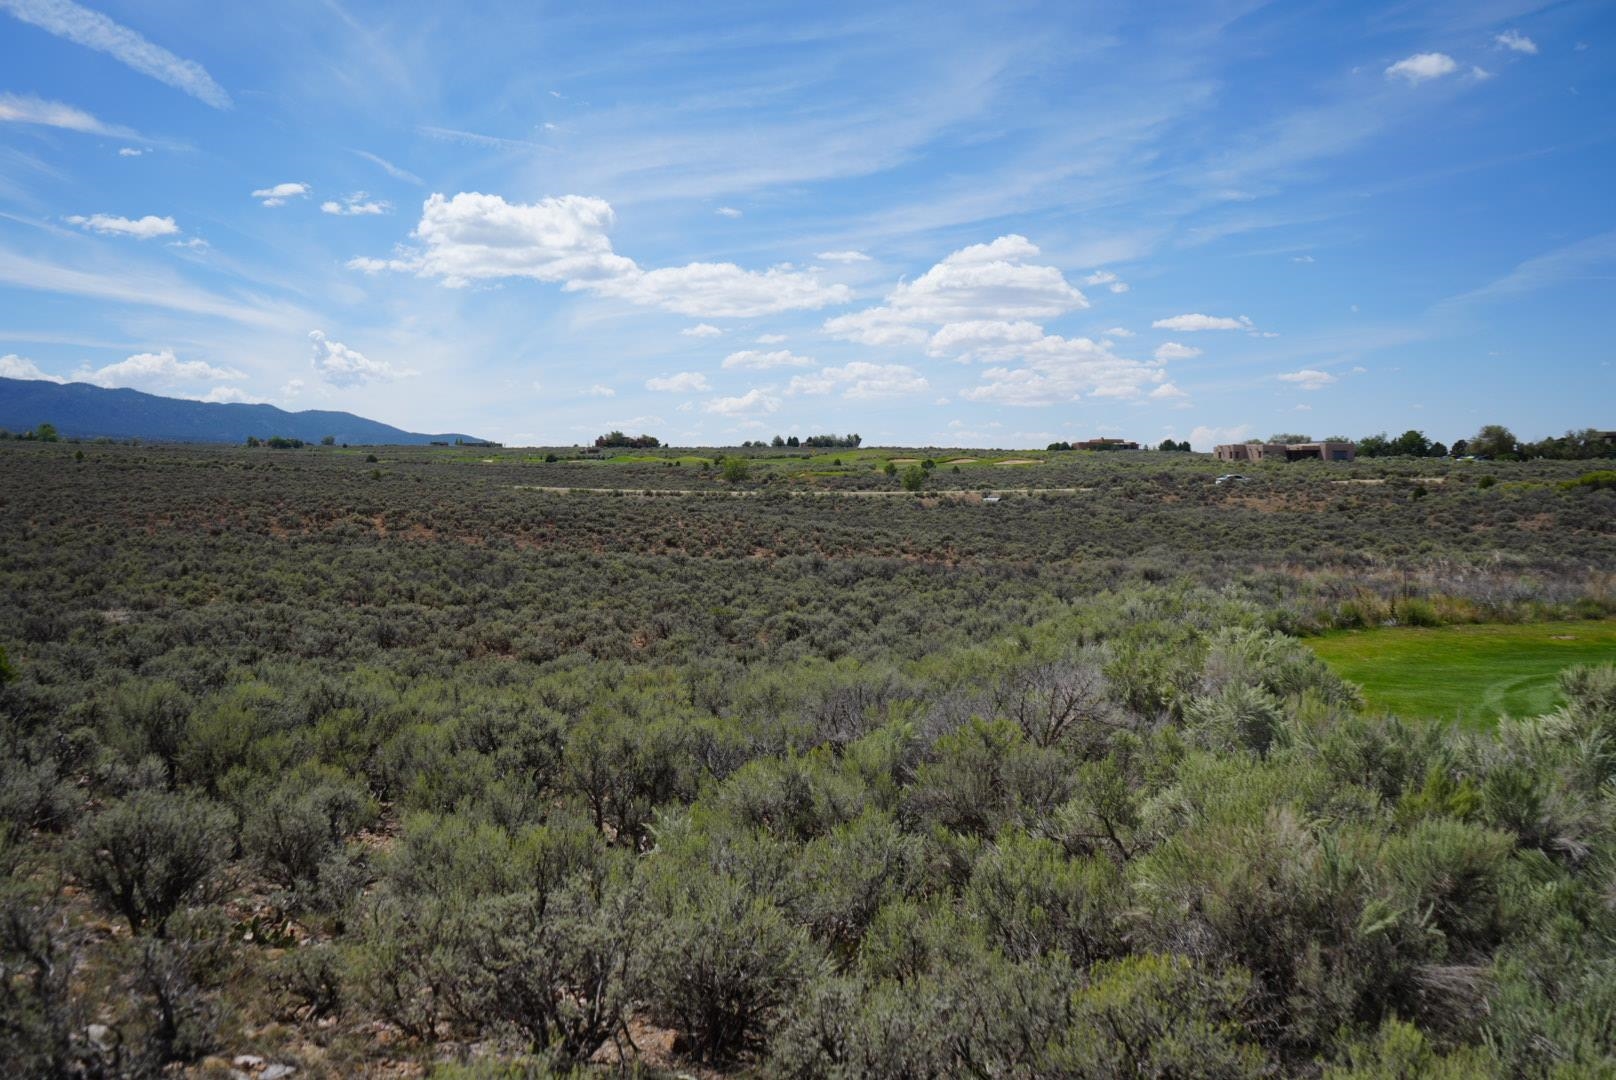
[(924, 223)]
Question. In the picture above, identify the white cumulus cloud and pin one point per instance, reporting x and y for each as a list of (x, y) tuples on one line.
[(13, 366), (757, 360), (277, 194), (983, 303), (753, 401), (966, 340), (129, 151), (1308, 379), (683, 382), (1422, 66), (359, 204), (1205, 438), (701, 330), (155, 371), (861, 381), (1172, 350), (1167, 392), (144, 228), (473, 237), (983, 282), (842, 256), (1055, 370), (727, 211), (600, 390), (1192, 322), (1108, 279), (341, 366), (1517, 42)]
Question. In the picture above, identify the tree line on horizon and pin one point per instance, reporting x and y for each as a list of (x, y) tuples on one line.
[(1493, 441)]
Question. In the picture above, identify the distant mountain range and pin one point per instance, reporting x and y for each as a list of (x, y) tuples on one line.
[(79, 410)]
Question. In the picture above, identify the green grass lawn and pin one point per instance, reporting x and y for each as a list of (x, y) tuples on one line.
[(1473, 674)]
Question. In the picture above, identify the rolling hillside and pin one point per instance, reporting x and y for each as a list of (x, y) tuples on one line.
[(79, 410)]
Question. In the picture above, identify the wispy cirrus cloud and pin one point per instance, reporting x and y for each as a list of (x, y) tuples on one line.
[(683, 382), (474, 138), (95, 31), (1592, 257), (27, 109), (1196, 321), (390, 169), (142, 285)]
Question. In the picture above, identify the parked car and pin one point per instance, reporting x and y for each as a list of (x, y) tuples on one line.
[(1229, 476)]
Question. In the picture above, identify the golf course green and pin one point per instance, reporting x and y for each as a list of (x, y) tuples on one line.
[(1471, 674)]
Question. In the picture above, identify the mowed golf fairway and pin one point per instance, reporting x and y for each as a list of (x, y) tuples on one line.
[(1472, 674)]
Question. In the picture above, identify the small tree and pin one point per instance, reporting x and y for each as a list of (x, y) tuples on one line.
[(1494, 441), (1412, 443), (736, 469), (889, 468), (914, 478), (1375, 446)]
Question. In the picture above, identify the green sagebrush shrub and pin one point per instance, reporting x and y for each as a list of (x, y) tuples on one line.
[(147, 855), (727, 965), (295, 830)]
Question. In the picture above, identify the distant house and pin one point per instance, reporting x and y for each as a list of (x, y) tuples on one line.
[(1105, 444), (1308, 451)]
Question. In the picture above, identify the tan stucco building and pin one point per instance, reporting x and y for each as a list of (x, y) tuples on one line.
[(1309, 451)]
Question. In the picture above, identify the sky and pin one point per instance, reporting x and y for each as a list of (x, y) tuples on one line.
[(996, 225)]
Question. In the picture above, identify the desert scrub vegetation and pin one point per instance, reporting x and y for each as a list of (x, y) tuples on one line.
[(445, 774)]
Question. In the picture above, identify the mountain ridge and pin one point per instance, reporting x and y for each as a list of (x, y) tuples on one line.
[(81, 410)]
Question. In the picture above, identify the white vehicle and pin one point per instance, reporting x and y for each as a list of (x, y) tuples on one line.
[(1227, 477)]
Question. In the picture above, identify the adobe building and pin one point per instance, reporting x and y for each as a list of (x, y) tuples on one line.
[(1105, 444), (1308, 451)]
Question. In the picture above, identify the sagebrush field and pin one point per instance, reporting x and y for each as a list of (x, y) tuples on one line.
[(466, 762)]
